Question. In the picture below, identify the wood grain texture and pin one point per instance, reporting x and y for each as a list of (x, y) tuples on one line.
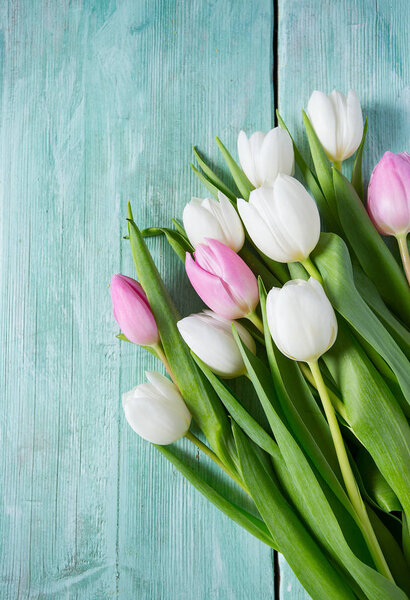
[(359, 44), (101, 102)]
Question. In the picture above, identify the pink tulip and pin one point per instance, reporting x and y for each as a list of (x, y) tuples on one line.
[(132, 311), (388, 196), (222, 280)]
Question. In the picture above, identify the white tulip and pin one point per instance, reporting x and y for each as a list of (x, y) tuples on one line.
[(282, 220), (215, 220), (210, 337), (264, 155), (301, 319), (338, 122), (156, 410)]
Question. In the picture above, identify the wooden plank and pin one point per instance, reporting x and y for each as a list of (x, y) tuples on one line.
[(101, 102), (361, 45)]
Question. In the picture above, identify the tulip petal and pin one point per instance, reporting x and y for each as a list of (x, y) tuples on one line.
[(246, 157), (322, 116), (212, 290), (200, 222), (257, 224)]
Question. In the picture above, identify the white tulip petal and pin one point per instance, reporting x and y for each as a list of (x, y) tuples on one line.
[(156, 411), (259, 229), (322, 116), (246, 158), (210, 337), (210, 219), (338, 122), (301, 320)]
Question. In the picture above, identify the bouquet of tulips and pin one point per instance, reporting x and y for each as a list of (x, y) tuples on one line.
[(308, 301)]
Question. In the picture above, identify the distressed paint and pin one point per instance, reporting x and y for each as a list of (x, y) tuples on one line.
[(101, 102), (359, 44)]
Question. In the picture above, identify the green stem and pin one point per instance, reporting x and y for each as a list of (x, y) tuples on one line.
[(337, 165), (337, 403), (311, 269), (192, 438), (256, 320), (161, 355), (351, 486), (404, 253)]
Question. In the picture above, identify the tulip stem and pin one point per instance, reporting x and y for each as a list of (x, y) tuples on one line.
[(337, 403), (404, 253), (192, 438), (161, 355), (256, 320), (352, 488), (337, 165), (311, 269)]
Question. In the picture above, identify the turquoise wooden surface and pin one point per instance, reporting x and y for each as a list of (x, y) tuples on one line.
[(101, 101)]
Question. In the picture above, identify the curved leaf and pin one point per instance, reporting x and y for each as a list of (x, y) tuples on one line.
[(333, 261), (305, 557), (202, 401), (246, 520), (372, 253)]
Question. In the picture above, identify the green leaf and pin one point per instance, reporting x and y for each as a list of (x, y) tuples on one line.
[(201, 400), (305, 557), (375, 484), (208, 184), (249, 425), (122, 337), (323, 168), (310, 179), (213, 177), (179, 226), (302, 412), (242, 517), (374, 415), (315, 507), (371, 296), (357, 176), (176, 240), (372, 253), (259, 269), (333, 261), (392, 551), (244, 185)]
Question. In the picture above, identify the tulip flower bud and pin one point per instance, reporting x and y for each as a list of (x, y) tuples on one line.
[(156, 410), (212, 219), (210, 337), (264, 155), (388, 195), (301, 319), (222, 280), (132, 311), (283, 220), (337, 121)]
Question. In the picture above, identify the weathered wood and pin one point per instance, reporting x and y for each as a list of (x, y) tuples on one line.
[(346, 44), (101, 104)]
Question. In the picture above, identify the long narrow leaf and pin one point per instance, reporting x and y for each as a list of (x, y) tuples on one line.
[(357, 176), (246, 520), (244, 185), (372, 253), (332, 259), (307, 560), (202, 401), (213, 177), (373, 413), (316, 509), (310, 179)]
